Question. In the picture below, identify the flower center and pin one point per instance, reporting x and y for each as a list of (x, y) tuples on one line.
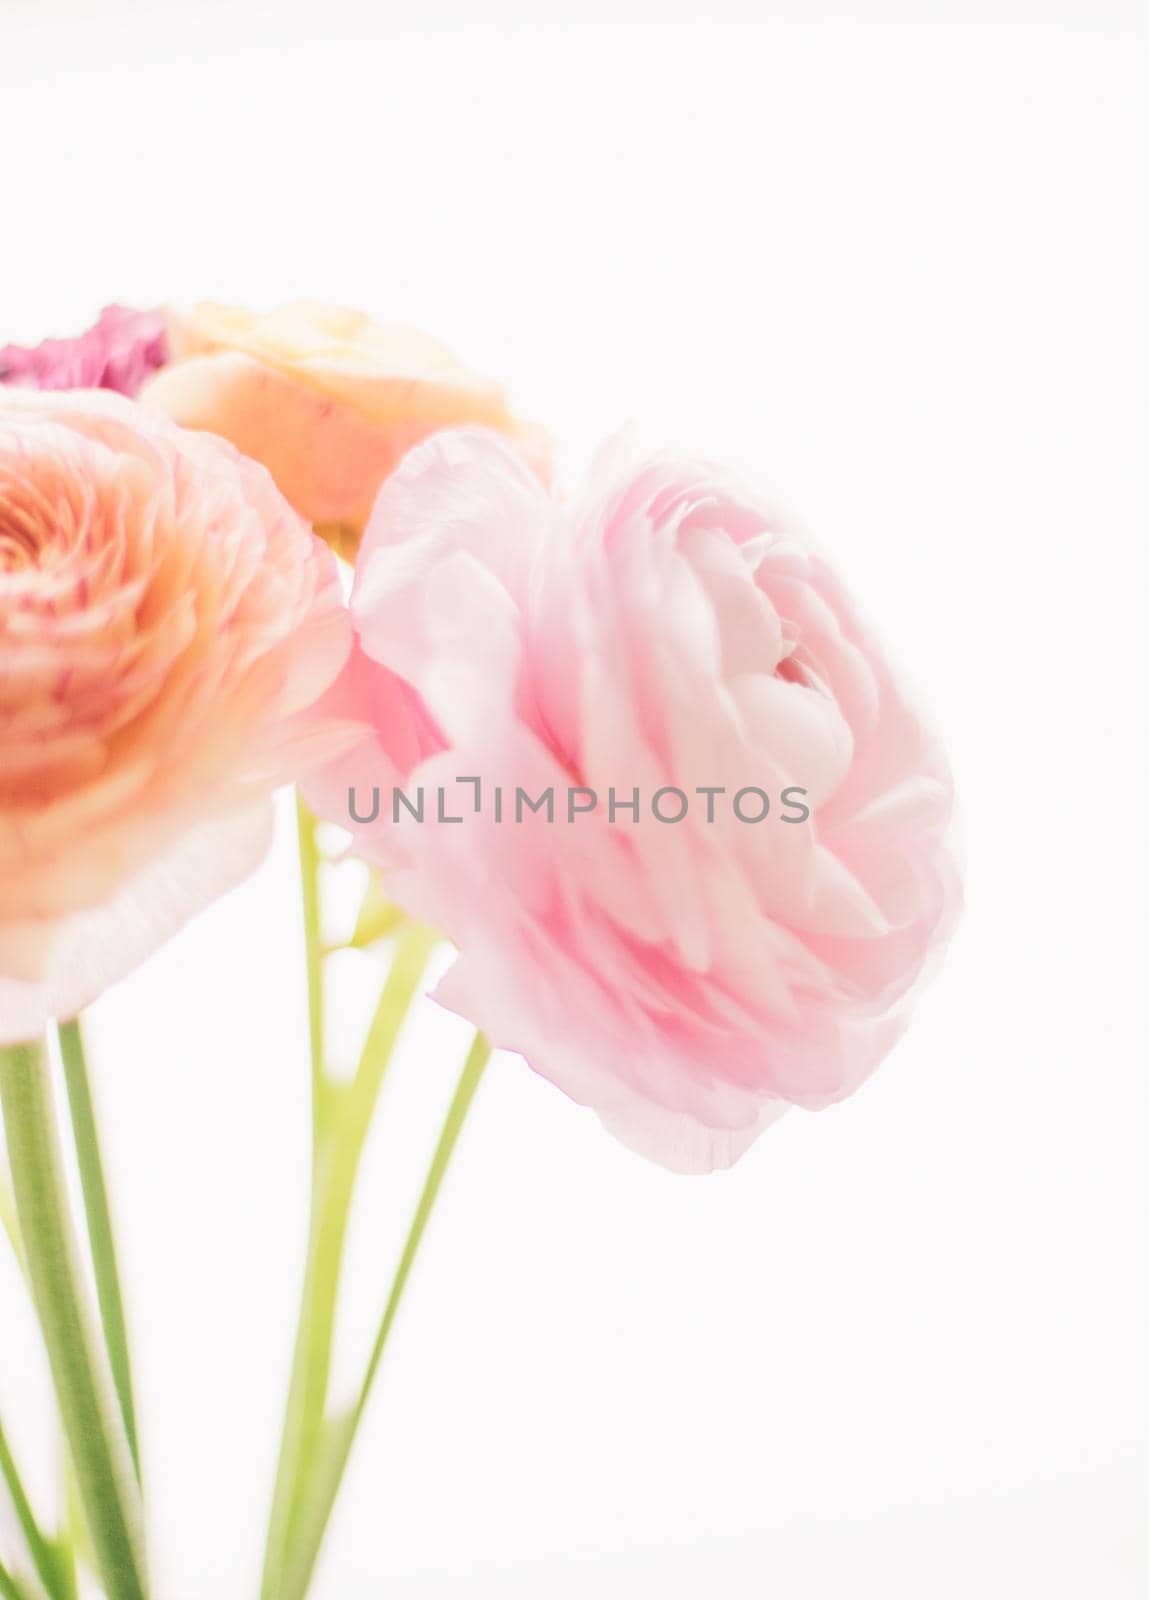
[(17, 548), (22, 533), (791, 670)]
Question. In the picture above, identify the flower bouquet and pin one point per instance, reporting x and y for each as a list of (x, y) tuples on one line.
[(627, 750)]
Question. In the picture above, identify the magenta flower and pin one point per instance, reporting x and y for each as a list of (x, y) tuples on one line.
[(118, 352)]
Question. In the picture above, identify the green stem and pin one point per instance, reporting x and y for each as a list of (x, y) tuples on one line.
[(337, 1162), (465, 1091), (310, 861), (100, 1234), (108, 1490), (9, 1588), (45, 1552), (339, 1433), (8, 1219)]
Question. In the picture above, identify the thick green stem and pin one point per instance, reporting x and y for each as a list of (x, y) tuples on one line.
[(100, 1235), (337, 1160), (53, 1556), (339, 1433), (92, 1423)]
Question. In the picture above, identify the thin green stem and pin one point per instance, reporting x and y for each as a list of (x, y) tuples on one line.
[(78, 1541), (8, 1218), (469, 1080), (9, 1588), (66, 1563), (310, 862), (100, 1234), (92, 1423), (337, 1164), (339, 1433), (45, 1552)]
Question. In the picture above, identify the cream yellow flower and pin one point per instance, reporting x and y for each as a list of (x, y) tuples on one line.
[(328, 400)]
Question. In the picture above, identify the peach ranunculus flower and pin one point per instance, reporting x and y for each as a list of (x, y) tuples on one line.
[(327, 399), (669, 640), (164, 617)]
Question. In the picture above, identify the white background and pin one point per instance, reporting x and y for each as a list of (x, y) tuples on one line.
[(895, 265)]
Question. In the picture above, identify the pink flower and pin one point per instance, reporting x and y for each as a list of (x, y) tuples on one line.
[(164, 618), (666, 632), (119, 352)]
